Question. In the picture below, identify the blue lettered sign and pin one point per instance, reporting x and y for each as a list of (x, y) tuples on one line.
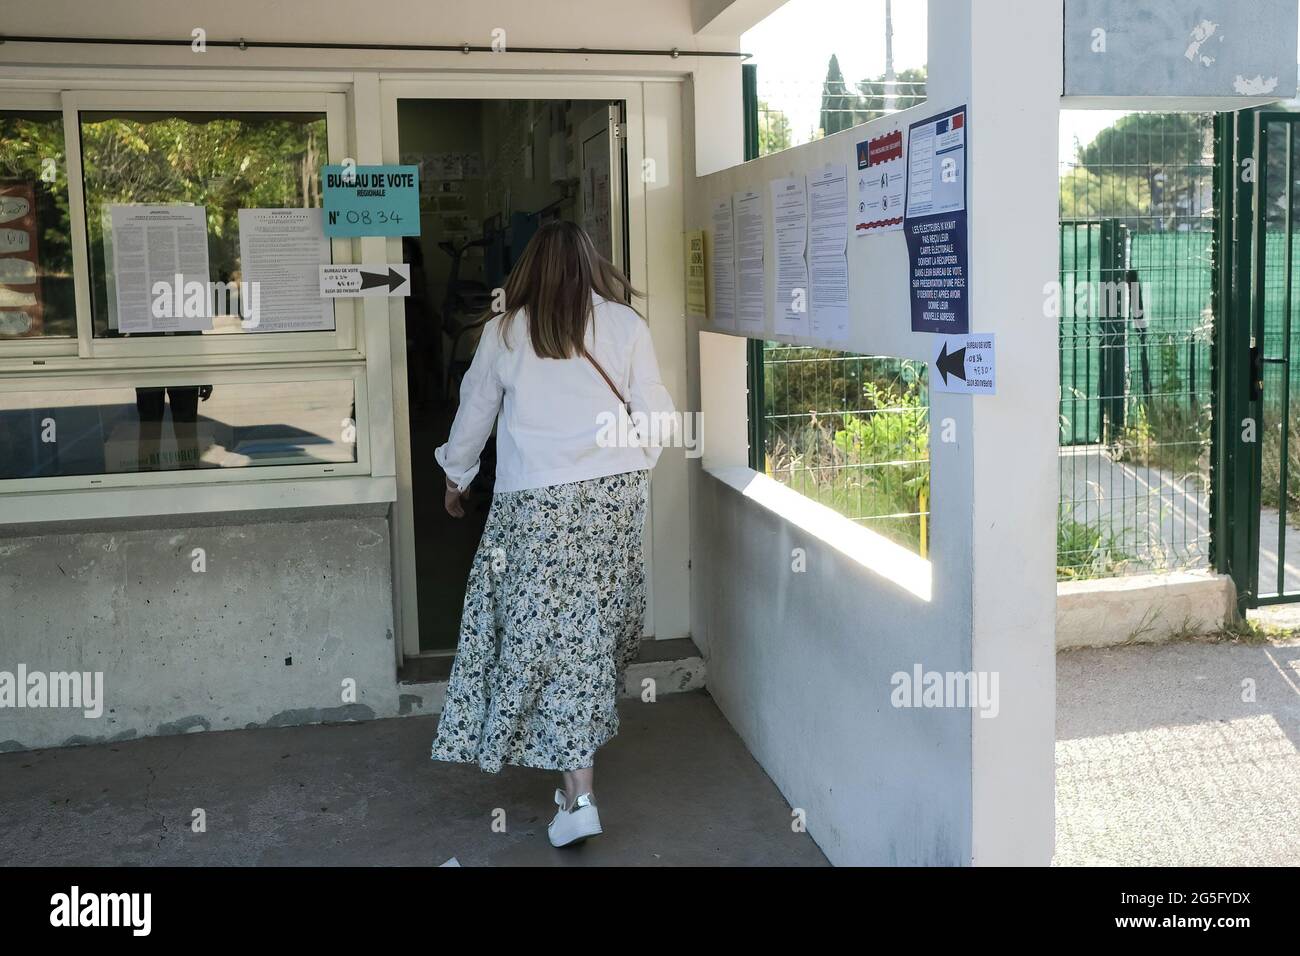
[(372, 200), (935, 223)]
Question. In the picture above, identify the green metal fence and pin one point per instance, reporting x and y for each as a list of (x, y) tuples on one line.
[(1135, 348)]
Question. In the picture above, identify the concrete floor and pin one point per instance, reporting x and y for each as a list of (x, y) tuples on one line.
[(1160, 762), (676, 787)]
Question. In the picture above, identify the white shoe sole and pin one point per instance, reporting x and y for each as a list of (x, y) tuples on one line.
[(577, 836)]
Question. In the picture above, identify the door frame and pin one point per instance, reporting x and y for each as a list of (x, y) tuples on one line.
[(538, 86)]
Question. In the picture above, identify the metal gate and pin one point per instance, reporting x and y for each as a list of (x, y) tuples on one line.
[(1257, 485)]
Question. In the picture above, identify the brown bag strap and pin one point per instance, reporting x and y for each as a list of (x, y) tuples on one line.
[(608, 381)]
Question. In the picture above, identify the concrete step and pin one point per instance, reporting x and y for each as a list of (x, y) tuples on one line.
[(662, 667)]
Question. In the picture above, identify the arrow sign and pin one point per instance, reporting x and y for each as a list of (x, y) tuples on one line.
[(953, 363), (346, 282), (963, 363)]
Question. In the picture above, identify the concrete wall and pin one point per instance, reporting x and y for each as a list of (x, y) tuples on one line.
[(286, 611), (801, 663), (1179, 48)]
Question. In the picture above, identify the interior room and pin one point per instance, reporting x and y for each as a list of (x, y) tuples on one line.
[(491, 172)]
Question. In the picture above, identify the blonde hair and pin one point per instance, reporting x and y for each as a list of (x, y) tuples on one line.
[(553, 281)]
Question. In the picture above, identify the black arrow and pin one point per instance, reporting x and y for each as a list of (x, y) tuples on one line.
[(393, 280), (954, 364)]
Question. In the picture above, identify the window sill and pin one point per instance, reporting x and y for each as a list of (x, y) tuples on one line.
[(872, 551), (28, 514)]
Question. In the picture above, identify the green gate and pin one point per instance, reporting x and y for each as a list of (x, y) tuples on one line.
[(1257, 457)]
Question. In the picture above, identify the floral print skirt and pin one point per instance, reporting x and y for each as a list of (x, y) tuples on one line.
[(553, 612)]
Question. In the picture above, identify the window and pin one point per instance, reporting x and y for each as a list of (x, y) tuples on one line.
[(95, 390), (214, 164), (851, 432), (178, 422), (37, 296)]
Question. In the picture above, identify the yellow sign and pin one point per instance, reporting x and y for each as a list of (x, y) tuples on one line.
[(695, 301)]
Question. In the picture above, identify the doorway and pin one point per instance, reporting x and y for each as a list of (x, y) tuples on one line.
[(491, 172)]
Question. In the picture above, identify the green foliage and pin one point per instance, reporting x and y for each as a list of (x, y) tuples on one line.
[(858, 441), (843, 108), (1083, 550), (208, 159), (773, 130)]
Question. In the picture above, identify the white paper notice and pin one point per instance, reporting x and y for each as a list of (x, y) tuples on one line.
[(790, 220), (723, 265), (153, 244), (282, 250), (749, 260), (828, 267)]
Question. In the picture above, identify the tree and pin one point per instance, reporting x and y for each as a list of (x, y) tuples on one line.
[(839, 106), (773, 130), (1156, 160), (909, 90)]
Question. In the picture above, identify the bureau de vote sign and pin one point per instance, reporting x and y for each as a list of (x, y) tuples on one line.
[(372, 200)]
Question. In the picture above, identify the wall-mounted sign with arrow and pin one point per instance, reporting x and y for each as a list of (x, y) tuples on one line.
[(963, 363), (349, 282)]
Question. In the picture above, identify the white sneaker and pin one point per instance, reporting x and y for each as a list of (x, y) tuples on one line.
[(576, 825)]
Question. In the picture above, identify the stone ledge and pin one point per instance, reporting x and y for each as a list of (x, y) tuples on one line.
[(1142, 608)]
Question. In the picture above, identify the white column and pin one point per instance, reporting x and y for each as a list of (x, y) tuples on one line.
[(1004, 60)]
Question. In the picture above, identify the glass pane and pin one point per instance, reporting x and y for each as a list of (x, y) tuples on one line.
[(178, 427), (221, 162), (37, 299)]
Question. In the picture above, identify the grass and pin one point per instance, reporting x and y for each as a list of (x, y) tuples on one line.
[(1270, 489), (1084, 551)]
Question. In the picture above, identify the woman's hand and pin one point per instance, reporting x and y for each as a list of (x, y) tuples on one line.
[(455, 500)]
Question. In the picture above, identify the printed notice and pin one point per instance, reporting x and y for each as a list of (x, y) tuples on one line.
[(790, 221), (723, 264), (282, 251), (963, 363), (828, 267), (159, 244), (749, 260), (935, 224), (882, 182), (936, 165)]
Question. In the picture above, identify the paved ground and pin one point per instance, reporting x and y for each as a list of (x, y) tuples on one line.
[(1159, 760), (676, 787)]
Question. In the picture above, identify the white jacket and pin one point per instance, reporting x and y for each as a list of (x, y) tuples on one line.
[(554, 416)]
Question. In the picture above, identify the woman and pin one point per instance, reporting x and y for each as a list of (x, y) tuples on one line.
[(556, 593)]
